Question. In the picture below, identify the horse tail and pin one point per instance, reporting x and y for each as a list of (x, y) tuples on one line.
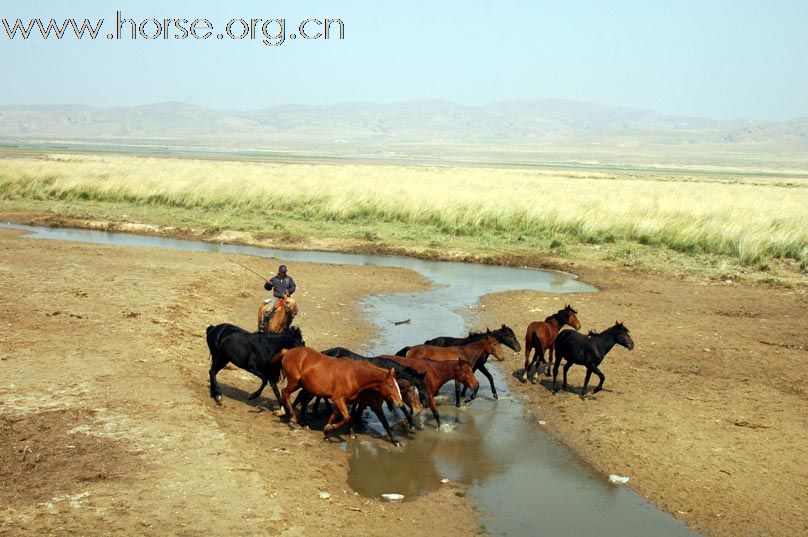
[(536, 344), (213, 343), (529, 342), (403, 352)]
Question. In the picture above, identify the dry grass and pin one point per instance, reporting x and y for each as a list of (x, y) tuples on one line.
[(748, 218)]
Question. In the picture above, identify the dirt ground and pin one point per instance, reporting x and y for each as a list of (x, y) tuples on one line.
[(107, 426), (707, 416)]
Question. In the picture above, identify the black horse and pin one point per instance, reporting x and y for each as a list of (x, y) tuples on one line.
[(504, 335), (588, 351), (255, 352)]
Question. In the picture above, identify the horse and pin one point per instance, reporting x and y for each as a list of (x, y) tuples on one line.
[(256, 352), (339, 379), (541, 335), (368, 398), (588, 351), (438, 374), (504, 335), (281, 318), (474, 353), (409, 380)]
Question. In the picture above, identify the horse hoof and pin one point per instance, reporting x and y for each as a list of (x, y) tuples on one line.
[(398, 444), (218, 399), (496, 397)]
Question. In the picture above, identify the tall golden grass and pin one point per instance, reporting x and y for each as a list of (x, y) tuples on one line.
[(750, 219)]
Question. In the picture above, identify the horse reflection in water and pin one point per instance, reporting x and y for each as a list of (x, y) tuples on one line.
[(462, 454)]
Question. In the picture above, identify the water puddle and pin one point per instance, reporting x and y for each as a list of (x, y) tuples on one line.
[(523, 480)]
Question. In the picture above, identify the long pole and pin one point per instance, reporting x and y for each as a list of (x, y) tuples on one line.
[(247, 268)]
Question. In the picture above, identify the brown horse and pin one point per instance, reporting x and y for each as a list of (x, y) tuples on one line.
[(541, 335), (281, 318), (340, 379), (470, 353), (438, 374)]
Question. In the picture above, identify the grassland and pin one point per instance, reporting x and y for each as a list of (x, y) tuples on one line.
[(721, 224)]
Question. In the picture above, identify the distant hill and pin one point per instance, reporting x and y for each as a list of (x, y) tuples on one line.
[(429, 123)]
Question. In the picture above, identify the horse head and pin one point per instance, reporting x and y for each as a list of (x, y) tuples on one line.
[(572, 317), (622, 336), (290, 307), (412, 397), (509, 338), (492, 346), (390, 389), (465, 375), (296, 336)]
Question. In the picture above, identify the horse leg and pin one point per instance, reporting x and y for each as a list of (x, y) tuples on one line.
[(256, 393), (377, 409), (408, 416), (490, 380), (288, 390), (274, 386), (303, 400), (536, 364), (216, 365), (342, 408), (463, 390), (356, 417), (566, 368), (528, 348), (457, 394), (600, 375), (434, 408), (586, 381), (550, 358), (555, 373)]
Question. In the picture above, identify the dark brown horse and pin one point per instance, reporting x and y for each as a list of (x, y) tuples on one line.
[(471, 353), (438, 374), (541, 335), (340, 379)]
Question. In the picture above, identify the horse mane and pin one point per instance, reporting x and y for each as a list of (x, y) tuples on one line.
[(480, 335), (294, 331), (617, 327), (561, 316)]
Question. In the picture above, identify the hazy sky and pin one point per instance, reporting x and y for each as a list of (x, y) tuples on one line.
[(719, 59)]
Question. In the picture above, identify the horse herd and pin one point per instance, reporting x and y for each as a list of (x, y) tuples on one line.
[(408, 380)]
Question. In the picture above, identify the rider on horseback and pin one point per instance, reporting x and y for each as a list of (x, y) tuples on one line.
[(282, 285)]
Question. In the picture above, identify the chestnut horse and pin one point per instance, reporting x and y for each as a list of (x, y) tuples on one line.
[(368, 398), (438, 374), (541, 335), (339, 379), (471, 353), (281, 318)]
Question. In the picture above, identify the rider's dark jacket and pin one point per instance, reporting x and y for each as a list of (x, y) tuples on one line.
[(279, 286)]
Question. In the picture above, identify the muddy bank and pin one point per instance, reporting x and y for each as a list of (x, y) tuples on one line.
[(113, 338), (707, 415)]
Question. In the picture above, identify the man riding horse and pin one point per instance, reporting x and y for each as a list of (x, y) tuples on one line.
[(282, 286)]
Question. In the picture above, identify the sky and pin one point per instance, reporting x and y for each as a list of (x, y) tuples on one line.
[(716, 59)]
